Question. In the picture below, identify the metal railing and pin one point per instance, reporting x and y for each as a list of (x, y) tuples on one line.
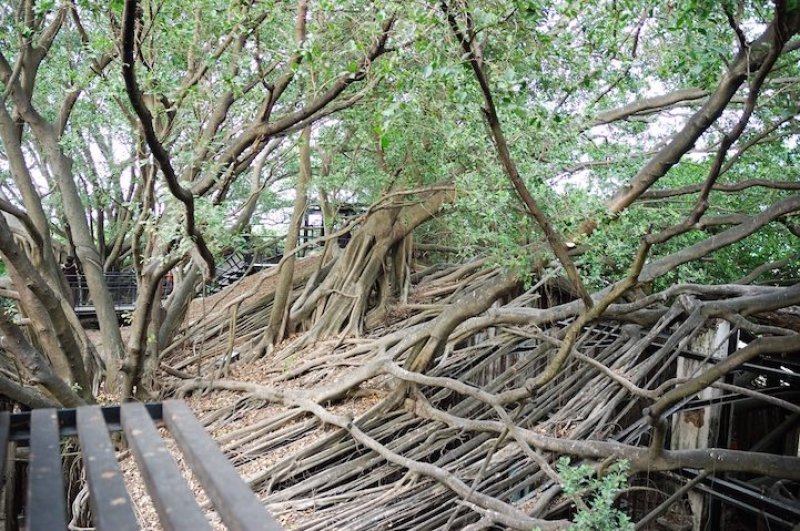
[(121, 285), (235, 265)]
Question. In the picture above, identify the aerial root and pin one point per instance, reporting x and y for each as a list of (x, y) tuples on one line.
[(468, 432)]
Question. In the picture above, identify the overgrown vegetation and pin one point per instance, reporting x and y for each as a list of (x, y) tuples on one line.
[(521, 199)]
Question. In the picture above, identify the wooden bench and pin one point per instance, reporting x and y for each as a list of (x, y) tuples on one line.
[(112, 510)]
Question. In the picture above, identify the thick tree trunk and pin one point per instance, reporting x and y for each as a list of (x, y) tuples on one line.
[(146, 300), (340, 303), (14, 341), (10, 135), (41, 327), (27, 396), (43, 304), (279, 322), (113, 347), (79, 230), (48, 137)]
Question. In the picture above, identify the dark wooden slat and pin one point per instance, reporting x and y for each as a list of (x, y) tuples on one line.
[(236, 504), (20, 431), (5, 423), (9, 481), (111, 506), (47, 508), (175, 504)]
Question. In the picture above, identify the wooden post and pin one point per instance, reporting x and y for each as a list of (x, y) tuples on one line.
[(698, 428)]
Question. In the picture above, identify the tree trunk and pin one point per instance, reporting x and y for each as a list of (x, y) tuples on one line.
[(279, 322), (340, 303), (49, 138), (182, 293), (10, 135), (146, 299), (43, 304), (14, 341), (75, 212), (79, 231)]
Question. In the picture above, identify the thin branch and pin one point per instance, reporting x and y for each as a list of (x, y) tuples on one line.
[(762, 49), (721, 187), (159, 153), (762, 345), (554, 239), (728, 140), (763, 268)]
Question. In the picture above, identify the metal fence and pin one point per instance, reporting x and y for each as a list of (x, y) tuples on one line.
[(121, 285)]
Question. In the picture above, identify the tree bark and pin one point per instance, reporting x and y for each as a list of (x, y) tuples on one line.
[(340, 302), (279, 322), (554, 239), (177, 304), (75, 212), (14, 341), (51, 324), (113, 349), (146, 298), (10, 134)]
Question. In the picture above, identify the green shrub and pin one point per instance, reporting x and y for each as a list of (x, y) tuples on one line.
[(598, 494)]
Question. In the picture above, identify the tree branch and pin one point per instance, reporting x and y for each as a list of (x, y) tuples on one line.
[(159, 153), (554, 239), (750, 60)]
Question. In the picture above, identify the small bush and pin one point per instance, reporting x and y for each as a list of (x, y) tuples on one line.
[(598, 494)]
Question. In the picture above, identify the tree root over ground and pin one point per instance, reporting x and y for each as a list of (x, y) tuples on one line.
[(342, 435)]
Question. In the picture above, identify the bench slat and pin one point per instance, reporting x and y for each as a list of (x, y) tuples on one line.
[(5, 424), (174, 502), (111, 506), (47, 508), (235, 502)]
